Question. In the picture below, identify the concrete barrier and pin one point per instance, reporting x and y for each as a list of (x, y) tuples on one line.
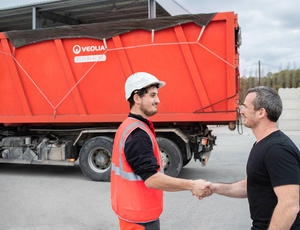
[(290, 117)]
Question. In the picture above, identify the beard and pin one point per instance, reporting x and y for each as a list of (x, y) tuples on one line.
[(148, 113)]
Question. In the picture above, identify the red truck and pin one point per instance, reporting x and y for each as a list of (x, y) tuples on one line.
[(62, 89)]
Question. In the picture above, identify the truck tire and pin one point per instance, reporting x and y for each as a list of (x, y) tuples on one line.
[(171, 155), (95, 158)]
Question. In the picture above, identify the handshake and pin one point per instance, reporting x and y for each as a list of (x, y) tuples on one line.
[(201, 188)]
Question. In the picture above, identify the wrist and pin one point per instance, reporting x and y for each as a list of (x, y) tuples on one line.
[(191, 184), (213, 187)]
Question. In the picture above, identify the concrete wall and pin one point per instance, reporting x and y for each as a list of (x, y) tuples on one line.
[(290, 117)]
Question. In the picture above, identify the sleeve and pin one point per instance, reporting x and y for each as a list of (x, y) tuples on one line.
[(139, 154), (282, 165)]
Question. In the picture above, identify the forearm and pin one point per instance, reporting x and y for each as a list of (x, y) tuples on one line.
[(287, 207), (167, 183), (284, 216), (236, 190)]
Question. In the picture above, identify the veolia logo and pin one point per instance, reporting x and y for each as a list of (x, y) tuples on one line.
[(76, 49)]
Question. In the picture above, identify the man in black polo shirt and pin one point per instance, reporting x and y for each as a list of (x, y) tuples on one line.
[(273, 167)]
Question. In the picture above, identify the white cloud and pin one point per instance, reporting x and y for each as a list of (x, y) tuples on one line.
[(270, 30)]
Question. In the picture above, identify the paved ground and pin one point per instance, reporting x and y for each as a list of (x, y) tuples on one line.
[(61, 198)]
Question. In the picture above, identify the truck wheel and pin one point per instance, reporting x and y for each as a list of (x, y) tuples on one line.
[(95, 158), (171, 156)]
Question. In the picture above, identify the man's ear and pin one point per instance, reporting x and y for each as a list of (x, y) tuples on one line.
[(262, 112), (137, 99)]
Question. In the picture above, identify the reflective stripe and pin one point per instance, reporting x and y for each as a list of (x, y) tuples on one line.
[(160, 159), (122, 145), (125, 132), (125, 175), (131, 176), (119, 170)]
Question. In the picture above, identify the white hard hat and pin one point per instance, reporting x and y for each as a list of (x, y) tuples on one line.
[(140, 80)]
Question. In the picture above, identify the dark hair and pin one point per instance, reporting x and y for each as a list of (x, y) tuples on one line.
[(141, 93), (268, 99)]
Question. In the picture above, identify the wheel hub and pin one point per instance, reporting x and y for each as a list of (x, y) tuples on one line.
[(165, 159), (99, 160)]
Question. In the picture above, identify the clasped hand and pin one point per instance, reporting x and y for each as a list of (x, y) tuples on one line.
[(201, 188)]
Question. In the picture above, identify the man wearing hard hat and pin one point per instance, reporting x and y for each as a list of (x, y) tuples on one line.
[(137, 179)]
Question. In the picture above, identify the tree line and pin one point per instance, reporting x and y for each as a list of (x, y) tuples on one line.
[(282, 79)]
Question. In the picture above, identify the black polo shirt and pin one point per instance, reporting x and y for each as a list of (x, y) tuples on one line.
[(273, 161), (138, 151)]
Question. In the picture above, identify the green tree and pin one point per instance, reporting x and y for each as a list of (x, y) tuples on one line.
[(282, 79)]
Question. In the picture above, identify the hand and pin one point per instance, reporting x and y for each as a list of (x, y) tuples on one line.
[(201, 189)]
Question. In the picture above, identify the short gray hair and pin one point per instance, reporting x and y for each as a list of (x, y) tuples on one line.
[(268, 99)]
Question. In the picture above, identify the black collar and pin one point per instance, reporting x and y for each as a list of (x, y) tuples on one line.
[(139, 117)]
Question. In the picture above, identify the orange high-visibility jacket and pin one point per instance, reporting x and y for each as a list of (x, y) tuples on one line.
[(130, 198)]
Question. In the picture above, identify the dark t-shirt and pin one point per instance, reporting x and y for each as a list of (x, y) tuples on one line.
[(139, 153), (273, 161)]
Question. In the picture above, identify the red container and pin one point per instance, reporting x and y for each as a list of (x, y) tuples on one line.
[(81, 80)]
